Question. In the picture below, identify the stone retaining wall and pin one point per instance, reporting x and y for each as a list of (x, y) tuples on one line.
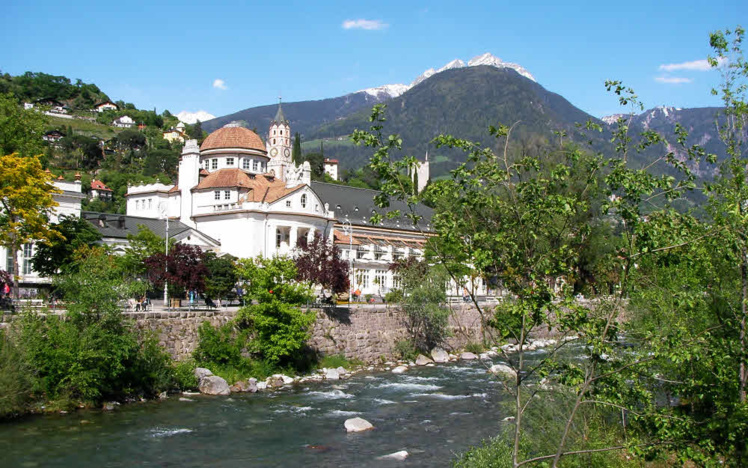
[(364, 333)]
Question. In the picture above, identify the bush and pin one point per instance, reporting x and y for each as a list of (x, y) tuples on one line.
[(15, 379), (219, 346), (406, 350), (475, 348), (394, 296), (279, 330), (184, 375)]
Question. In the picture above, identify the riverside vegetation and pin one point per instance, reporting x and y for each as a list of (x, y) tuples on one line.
[(668, 385)]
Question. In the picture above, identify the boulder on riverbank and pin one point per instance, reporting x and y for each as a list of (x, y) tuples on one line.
[(422, 360), (399, 369), (439, 355), (201, 373), (214, 385), (502, 370), (358, 425), (332, 374), (466, 356)]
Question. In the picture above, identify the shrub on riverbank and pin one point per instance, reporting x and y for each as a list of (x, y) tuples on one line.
[(90, 355)]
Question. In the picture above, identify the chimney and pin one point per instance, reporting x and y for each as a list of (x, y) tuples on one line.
[(121, 222), (102, 220)]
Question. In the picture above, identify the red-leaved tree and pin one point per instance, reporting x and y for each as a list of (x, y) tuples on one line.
[(186, 269), (319, 262)]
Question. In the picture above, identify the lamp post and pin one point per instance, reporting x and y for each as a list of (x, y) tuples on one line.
[(163, 211), (348, 230)]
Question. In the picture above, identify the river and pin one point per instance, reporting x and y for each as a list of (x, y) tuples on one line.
[(434, 413)]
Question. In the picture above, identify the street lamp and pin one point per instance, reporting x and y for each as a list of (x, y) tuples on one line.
[(348, 230), (164, 212)]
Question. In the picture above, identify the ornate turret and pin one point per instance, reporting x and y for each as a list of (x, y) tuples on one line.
[(279, 143)]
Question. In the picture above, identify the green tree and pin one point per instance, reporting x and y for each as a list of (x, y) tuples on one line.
[(278, 326), (296, 154), (57, 255), (222, 276), (26, 204), (20, 130)]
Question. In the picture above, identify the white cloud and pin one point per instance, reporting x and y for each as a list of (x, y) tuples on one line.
[(672, 79), (220, 84), (369, 25), (695, 65)]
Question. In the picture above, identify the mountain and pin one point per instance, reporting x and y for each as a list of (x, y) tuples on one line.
[(193, 117), (463, 102), (307, 115), (304, 116)]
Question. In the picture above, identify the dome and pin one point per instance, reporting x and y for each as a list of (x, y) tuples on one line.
[(233, 137)]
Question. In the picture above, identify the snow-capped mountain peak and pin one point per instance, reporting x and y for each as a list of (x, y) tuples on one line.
[(192, 117), (493, 61), (386, 91), (611, 119), (456, 63)]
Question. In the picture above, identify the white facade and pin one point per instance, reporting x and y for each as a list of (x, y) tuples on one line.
[(331, 168), (69, 204)]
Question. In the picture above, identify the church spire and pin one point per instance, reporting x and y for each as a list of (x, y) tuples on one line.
[(279, 117)]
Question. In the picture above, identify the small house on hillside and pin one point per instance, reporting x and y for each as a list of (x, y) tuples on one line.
[(123, 122), (331, 168), (173, 135), (100, 191), (53, 136), (105, 106)]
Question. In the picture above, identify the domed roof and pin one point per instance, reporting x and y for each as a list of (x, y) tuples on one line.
[(233, 137)]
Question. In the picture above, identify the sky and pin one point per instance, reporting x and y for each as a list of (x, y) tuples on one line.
[(222, 57)]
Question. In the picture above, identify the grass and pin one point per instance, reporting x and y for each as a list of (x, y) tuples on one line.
[(85, 127), (338, 360)]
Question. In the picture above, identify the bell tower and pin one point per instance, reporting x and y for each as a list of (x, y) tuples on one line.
[(279, 138)]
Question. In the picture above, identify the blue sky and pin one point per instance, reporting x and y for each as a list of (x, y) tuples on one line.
[(222, 57)]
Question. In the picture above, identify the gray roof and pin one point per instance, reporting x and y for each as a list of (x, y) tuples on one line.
[(279, 117), (116, 226), (358, 206)]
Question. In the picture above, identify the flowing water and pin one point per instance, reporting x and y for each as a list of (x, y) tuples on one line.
[(434, 413)]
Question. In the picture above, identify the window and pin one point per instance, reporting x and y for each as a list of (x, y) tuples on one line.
[(379, 252), (28, 252), (273, 133), (397, 282), (278, 238), (281, 132), (273, 139), (303, 201), (288, 203), (150, 201), (364, 279), (226, 194), (256, 165), (229, 161), (9, 262), (380, 278), (137, 204), (217, 194), (245, 163), (214, 164), (361, 252)]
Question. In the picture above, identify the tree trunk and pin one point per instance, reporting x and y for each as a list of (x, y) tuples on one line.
[(16, 271), (744, 297)]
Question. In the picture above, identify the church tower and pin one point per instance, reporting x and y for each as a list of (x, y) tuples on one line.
[(420, 174), (279, 144)]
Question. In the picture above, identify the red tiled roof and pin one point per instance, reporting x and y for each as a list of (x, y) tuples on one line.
[(99, 185), (233, 137), (262, 188)]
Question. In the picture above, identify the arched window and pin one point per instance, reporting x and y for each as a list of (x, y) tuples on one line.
[(273, 140), (303, 201)]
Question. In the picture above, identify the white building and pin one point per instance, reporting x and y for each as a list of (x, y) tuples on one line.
[(249, 197), (123, 122), (331, 168)]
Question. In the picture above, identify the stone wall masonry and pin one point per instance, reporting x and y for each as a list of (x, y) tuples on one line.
[(367, 333), (370, 334), (177, 331)]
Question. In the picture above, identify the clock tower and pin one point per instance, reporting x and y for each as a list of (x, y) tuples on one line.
[(279, 141)]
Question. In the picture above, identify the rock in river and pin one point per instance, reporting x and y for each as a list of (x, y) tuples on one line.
[(439, 355), (401, 455), (468, 356), (502, 370), (214, 385), (422, 360), (357, 425)]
